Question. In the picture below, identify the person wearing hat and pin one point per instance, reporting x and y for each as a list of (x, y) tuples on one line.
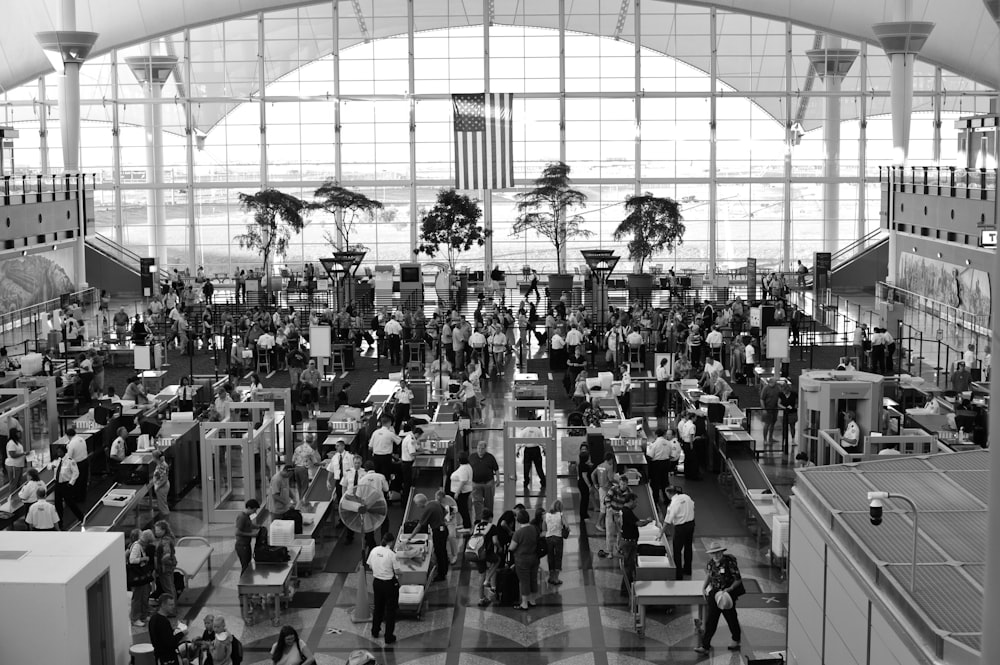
[(722, 575)]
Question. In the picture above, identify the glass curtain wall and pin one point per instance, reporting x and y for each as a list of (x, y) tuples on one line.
[(718, 110)]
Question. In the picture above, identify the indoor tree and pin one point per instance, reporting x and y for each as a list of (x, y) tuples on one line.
[(275, 216), (653, 224), (451, 227), (546, 210), (341, 201)]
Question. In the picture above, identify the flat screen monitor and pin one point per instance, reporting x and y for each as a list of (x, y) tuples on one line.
[(409, 274), (150, 427)]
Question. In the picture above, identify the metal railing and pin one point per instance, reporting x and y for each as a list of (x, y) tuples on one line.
[(23, 330), (19, 190), (949, 181)]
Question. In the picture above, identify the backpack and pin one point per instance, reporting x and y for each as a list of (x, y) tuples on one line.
[(475, 549), (264, 553), (237, 653)]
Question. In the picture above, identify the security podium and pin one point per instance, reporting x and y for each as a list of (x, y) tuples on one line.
[(824, 399)]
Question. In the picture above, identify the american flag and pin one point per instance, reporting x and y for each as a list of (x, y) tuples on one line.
[(484, 145)]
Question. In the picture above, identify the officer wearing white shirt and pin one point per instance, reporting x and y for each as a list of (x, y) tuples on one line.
[(373, 478), (381, 444), (714, 341), (404, 397), (393, 330), (680, 515), (408, 452), (573, 339), (658, 453), (339, 464), (662, 377), (42, 515), (384, 565), (76, 450), (350, 479), (67, 475)]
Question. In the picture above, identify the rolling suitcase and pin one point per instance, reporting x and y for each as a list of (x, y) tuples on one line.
[(508, 592)]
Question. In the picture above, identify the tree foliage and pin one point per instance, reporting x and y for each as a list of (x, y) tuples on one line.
[(275, 216), (654, 224), (342, 202), (451, 227), (546, 210)]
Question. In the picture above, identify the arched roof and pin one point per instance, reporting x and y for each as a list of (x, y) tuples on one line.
[(965, 40)]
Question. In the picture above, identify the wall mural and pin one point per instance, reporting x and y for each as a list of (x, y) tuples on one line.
[(967, 289), (29, 280)]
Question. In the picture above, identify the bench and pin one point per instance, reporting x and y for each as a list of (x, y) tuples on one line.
[(666, 592), (193, 553)]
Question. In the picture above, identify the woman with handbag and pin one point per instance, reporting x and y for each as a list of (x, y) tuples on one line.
[(139, 572), (556, 530), (524, 547)]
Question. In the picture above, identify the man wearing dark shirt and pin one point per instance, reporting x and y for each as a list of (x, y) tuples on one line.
[(246, 530), (432, 521), (629, 542), (161, 633), (769, 397), (484, 470), (788, 400), (341, 398)]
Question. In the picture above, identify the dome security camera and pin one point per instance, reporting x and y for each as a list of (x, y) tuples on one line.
[(875, 506)]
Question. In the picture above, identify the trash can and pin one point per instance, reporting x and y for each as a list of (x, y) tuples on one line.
[(142, 654)]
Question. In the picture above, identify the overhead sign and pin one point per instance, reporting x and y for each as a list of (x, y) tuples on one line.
[(988, 239)]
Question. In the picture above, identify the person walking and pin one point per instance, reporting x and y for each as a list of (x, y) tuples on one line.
[(658, 453), (584, 469), (532, 457), (76, 449), (770, 396), (556, 530), (723, 586), (485, 470), (461, 487), (67, 475), (524, 547), (385, 586), (246, 531), (662, 378), (680, 518)]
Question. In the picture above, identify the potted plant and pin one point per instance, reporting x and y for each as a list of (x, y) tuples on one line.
[(275, 216), (451, 227), (654, 225), (547, 210), (341, 201)]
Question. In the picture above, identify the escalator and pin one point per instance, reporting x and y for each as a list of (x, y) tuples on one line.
[(109, 263)]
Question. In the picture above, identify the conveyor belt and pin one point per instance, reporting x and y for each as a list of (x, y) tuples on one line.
[(422, 484), (102, 516), (644, 507), (317, 490), (748, 474)]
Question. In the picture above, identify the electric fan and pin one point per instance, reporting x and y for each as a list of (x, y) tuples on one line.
[(362, 510)]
